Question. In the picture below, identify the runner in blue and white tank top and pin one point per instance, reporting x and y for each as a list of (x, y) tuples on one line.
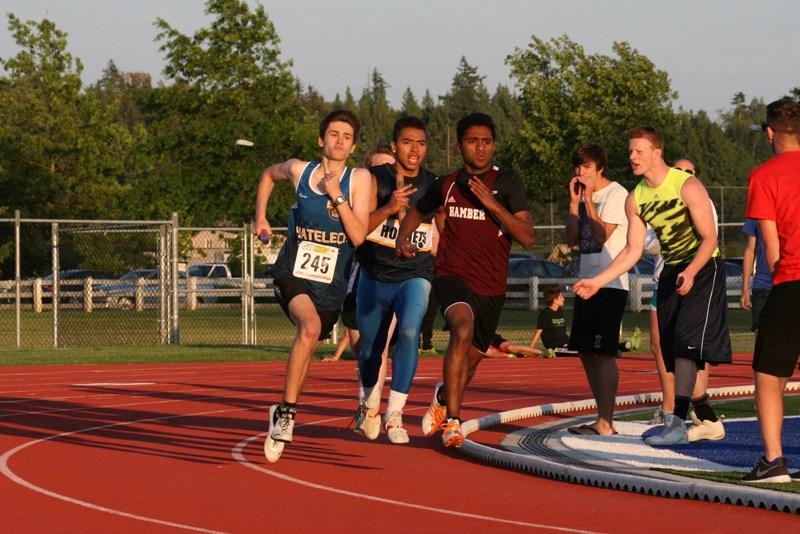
[(328, 220), (317, 249)]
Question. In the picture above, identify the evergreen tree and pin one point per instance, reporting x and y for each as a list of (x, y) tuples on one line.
[(228, 83)]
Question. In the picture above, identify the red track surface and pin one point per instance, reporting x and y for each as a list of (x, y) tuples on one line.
[(173, 447)]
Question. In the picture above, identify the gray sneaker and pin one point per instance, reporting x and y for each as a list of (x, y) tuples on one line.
[(281, 423), (764, 473), (658, 417), (674, 432)]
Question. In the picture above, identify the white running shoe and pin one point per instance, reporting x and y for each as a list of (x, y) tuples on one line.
[(706, 430), (371, 424), (674, 432), (281, 423), (394, 428), (272, 448), (433, 418)]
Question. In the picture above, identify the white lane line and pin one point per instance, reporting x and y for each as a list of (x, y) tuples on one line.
[(112, 384), (238, 455), (6, 470)]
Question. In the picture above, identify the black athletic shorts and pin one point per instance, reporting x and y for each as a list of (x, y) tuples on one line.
[(694, 326), (777, 342), (757, 301), (596, 321), (349, 318), (451, 290), (288, 287)]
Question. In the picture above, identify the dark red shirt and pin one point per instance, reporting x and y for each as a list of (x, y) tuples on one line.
[(474, 245)]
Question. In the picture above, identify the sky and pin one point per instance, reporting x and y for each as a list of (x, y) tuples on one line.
[(711, 49)]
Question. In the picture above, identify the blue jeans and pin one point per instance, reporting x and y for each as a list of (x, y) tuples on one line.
[(376, 303)]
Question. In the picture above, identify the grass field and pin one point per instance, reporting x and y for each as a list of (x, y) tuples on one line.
[(111, 336)]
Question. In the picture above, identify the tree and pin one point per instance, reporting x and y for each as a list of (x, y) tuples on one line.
[(507, 117), (313, 101), (376, 115), (441, 136), (61, 150), (741, 123), (467, 93), (228, 83), (409, 106), (568, 97), (349, 103)]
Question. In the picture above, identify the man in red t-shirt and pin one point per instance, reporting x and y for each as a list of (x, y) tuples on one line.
[(484, 208), (774, 201)]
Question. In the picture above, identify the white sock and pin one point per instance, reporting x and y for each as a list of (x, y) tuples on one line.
[(397, 401), (372, 397)]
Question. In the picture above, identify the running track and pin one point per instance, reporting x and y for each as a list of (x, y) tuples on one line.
[(168, 448)]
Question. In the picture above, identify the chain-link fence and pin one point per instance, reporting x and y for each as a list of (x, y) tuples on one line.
[(79, 283)]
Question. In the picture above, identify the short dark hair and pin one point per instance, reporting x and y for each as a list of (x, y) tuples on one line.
[(340, 115), (591, 152), (649, 133), (551, 293), (407, 122), (474, 119), (377, 149), (783, 116)]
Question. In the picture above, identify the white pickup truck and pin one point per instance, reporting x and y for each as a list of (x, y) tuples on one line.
[(209, 270)]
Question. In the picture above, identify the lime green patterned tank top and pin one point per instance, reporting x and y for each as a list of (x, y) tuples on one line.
[(662, 208)]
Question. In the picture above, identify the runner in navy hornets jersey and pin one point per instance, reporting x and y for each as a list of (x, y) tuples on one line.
[(483, 208), (391, 285), (324, 226)]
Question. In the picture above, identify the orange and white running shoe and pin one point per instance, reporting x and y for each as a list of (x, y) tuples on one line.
[(432, 420), (451, 433)]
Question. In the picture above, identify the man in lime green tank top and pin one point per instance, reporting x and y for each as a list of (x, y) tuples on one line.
[(692, 311)]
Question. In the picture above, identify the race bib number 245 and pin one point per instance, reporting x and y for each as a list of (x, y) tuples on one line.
[(315, 262)]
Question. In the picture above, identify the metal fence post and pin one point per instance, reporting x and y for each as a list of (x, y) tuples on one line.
[(176, 335), (17, 269), (164, 297), (56, 281), (248, 281)]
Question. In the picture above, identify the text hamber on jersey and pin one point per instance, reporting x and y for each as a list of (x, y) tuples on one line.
[(459, 212)]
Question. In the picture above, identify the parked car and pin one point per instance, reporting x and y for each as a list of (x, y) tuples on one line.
[(528, 267), (71, 282), (209, 270), (733, 269), (72, 279), (523, 267), (121, 294)]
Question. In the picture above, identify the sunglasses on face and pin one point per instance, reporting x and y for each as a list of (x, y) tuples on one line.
[(764, 127), (690, 171)]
